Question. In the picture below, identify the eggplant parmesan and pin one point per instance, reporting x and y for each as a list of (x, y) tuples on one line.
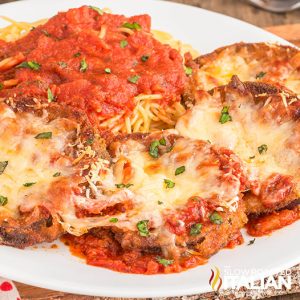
[(46, 153), (181, 202), (260, 62), (260, 123)]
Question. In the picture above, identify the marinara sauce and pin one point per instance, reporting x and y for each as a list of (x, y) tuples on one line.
[(94, 61)]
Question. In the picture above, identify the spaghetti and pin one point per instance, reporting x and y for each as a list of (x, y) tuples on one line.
[(151, 111)]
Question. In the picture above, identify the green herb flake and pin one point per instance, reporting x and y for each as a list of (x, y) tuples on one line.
[(134, 26), (165, 262), (134, 79), (44, 135), (113, 220), (57, 174), (50, 95), (3, 165), (77, 54), (179, 170), (83, 66), (142, 227), (97, 9), (29, 65), (62, 64), (90, 141), (159, 202), (195, 229), (260, 75), (123, 44), (216, 218), (225, 116), (107, 70), (169, 183), (28, 184), (153, 150), (1, 86), (144, 58), (251, 242), (188, 70), (122, 185), (163, 142), (3, 200), (262, 149), (252, 157)]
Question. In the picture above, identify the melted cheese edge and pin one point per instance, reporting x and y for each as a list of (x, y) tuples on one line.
[(29, 159), (244, 135), (220, 71)]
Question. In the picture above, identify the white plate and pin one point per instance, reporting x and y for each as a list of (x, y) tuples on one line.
[(58, 270)]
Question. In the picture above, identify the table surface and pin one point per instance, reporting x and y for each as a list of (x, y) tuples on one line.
[(236, 8)]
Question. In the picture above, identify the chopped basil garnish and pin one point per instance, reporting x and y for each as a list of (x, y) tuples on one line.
[(62, 64), (83, 66), (262, 149), (225, 116), (179, 170), (57, 174), (142, 227), (169, 183), (97, 9), (134, 78), (133, 25), (251, 157), (216, 218), (90, 141), (163, 142), (107, 70), (123, 44), (3, 165), (260, 75), (153, 150), (77, 54), (44, 135), (251, 242), (165, 262), (3, 200), (28, 184), (1, 86), (29, 65), (50, 95), (188, 70), (195, 229), (113, 220), (122, 185), (159, 202), (144, 58)]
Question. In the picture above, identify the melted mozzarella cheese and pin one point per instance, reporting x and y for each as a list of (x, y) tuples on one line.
[(229, 62), (30, 160), (244, 135), (150, 196)]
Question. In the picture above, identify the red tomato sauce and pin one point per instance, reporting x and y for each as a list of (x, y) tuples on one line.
[(107, 253), (264, 225), (99, 75), (236, 241)]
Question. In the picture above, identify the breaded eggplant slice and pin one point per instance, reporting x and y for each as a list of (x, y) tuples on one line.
[(262, 62), (176, 193), (259, 123), (46, 150)]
